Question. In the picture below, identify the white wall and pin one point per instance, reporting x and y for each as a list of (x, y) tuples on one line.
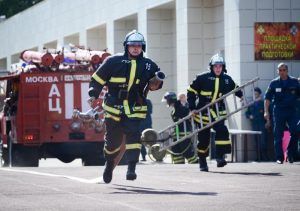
[(161, 37), (239, 39), (52, 20), (96, 38), (181, 35), (121, 28), (206, 33)]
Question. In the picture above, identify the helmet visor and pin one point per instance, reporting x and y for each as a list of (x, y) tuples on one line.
[(135, 43)]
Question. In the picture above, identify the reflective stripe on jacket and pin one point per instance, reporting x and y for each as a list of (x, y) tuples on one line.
[(206, 88), (126, 80)]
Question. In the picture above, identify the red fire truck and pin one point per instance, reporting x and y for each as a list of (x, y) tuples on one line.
[(37, 119)]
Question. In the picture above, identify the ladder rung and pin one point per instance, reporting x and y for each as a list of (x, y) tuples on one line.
[(168, 142)]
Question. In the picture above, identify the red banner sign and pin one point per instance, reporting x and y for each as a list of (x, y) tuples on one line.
[(277, 41)]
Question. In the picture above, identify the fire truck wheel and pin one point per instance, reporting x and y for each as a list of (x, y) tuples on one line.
[(66, 158), (95, 157), (21, 155), (24, 157)]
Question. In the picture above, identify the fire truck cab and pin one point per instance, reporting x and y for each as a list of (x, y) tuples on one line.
[(37, 117)]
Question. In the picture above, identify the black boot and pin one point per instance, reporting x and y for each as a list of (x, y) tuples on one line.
[(221, 162), (131, 175), (203, 164), (108, 172), (290, 159)]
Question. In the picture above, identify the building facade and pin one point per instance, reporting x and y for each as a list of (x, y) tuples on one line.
[(181, 36)]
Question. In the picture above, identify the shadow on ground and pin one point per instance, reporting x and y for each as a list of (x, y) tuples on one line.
[(248, 173), (123, 189)]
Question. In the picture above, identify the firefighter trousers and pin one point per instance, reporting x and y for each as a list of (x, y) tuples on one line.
[(116, 131), (184, 150), (223, 144)]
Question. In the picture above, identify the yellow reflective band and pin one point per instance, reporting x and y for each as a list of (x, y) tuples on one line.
[(223, 113), (197, 118), (192, 159), (111, 152), (132, 74), (107, 115), (179, 162), (213, 113), (203, 151), (137, 81), (177, 157), (140, 108), (98, 79), (137, 115), (133, 146), (204, 93), (223, 142), (192, 90), (204, 122), (205, 118), (217, 83), (117, 80), (131, 79), (126, 107), (111, 109)]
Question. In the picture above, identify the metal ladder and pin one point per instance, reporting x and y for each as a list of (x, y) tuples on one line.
[(166, 138)]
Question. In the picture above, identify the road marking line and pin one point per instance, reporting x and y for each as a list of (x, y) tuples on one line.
[(96, 180), (82, 180)]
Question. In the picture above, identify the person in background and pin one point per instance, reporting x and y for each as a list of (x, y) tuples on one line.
[(283, 92), (185, 149), (145, 124), (183, 100), (255, 113)]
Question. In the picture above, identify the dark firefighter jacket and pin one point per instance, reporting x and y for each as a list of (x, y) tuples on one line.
[(206, 88), (126, 80), (180, 111)]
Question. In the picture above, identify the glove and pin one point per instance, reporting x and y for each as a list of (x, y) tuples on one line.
[(154, 84)]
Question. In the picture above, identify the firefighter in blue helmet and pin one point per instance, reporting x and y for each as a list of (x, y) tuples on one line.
[(129, 77), (206, 88), (283, 92), (183, 150)]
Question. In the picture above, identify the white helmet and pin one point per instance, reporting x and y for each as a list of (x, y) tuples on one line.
[(134, 38), (217, 59)]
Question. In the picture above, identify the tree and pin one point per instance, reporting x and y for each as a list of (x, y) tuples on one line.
[(12, 7)]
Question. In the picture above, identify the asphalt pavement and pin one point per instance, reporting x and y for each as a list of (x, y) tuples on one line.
[(159, 186)]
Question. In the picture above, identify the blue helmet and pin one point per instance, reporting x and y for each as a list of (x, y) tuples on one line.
[(169, 97), (134, 38)]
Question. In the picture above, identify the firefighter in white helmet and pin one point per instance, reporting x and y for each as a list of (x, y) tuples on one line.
[(206, 88), (129, 77)]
